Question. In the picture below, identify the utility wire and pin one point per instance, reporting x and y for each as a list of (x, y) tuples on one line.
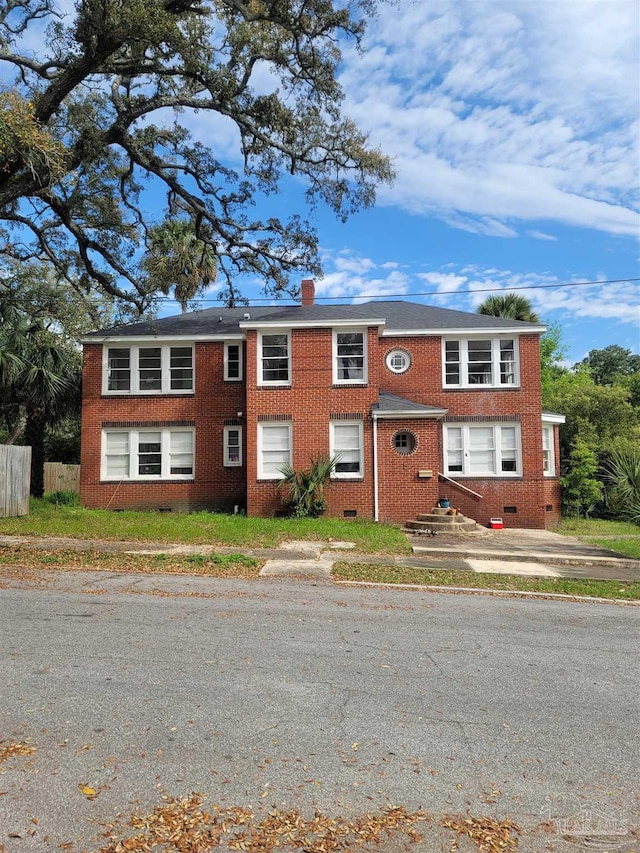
[(433, 292)]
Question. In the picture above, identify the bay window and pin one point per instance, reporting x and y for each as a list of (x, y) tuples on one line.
[(139, 369), (147, 454), (473, 362), (482, 450)]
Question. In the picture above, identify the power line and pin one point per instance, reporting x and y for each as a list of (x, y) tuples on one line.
[(438, 292)]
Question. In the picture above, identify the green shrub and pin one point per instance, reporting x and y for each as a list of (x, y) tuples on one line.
[(63, 498)]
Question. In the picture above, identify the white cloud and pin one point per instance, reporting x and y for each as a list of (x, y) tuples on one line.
[(498, 114)]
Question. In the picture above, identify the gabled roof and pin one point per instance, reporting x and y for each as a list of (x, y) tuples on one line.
[(392, 406), (396, 318)]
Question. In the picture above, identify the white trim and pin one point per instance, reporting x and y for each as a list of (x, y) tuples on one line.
[(133, 453), (228, 463), (464, 364), (497, 472), (320, 323), (239, 378), (376, 497), (260, 449), (405, 414), (347, 475), (553, 418), (353, 330), (259, 358), (134, 369), (158, 339), (464, 332)]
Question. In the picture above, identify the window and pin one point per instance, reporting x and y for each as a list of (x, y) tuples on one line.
[(232, 446), (491, 362), (346, 443), (482, 450), (233, 362), (274, 360), (141, 369), (147, 454), (548, 451), (398, 361), (404, 443), (274, 449), (349, 357)]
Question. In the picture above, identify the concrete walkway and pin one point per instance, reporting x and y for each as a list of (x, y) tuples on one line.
[(537, 553)]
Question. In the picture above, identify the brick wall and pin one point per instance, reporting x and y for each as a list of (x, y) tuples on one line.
[(214, 486), (309, 403)]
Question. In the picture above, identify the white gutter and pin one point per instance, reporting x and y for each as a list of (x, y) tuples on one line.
[(375, 468)]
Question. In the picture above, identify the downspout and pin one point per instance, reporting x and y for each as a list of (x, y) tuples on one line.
[(375, 467)]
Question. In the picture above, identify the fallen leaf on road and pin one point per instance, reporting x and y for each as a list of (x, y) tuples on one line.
[(10, 748)]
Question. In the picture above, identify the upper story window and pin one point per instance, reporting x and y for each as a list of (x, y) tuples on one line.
[(233, 362), (274, 359), (148, 454), (349, 357), (398, 361), (490, 362), (482, 450), (139, 369)]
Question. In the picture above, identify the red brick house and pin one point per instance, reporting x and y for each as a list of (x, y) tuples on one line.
[(199, 411)]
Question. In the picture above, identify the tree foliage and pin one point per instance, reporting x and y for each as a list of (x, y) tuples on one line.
[(509, 305), (305, 489), (611, 364), (112, 101)]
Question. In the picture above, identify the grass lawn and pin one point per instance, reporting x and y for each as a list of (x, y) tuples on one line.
[(16, 562), (620, 536), (46, 519), (438, 577)]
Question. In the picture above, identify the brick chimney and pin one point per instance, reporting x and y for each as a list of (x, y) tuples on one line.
[(308, 290)]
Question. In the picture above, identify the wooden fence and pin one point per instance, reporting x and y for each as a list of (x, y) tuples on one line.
[(61, 478), (15, 479)]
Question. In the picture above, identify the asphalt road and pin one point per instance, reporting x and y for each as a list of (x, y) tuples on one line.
[(305, 696)]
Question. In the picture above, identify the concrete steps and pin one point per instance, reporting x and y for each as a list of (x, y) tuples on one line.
[(439, 521)]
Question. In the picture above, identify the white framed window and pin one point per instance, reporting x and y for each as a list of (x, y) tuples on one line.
[(232, 446), (349, 356), (274, 358), (482, 450), (233, 361), (274, 449), (398, 361), (548, 451), (473, 362), (142, 369), (346, 442), (148, 454)]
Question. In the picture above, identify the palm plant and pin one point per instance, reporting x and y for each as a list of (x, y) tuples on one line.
[(509, 305), (623, 475), (178, 259), (305, 489)]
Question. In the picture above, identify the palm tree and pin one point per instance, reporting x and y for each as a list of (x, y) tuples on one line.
[(509, 305), (39, 384), (178, 259), (306, 488)]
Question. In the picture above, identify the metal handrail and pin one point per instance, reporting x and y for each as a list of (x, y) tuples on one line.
[(460, 486)]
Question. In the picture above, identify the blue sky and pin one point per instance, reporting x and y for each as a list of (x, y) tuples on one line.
[(513, 128)]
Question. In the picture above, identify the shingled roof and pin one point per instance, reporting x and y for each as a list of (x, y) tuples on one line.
[(396, 316)]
